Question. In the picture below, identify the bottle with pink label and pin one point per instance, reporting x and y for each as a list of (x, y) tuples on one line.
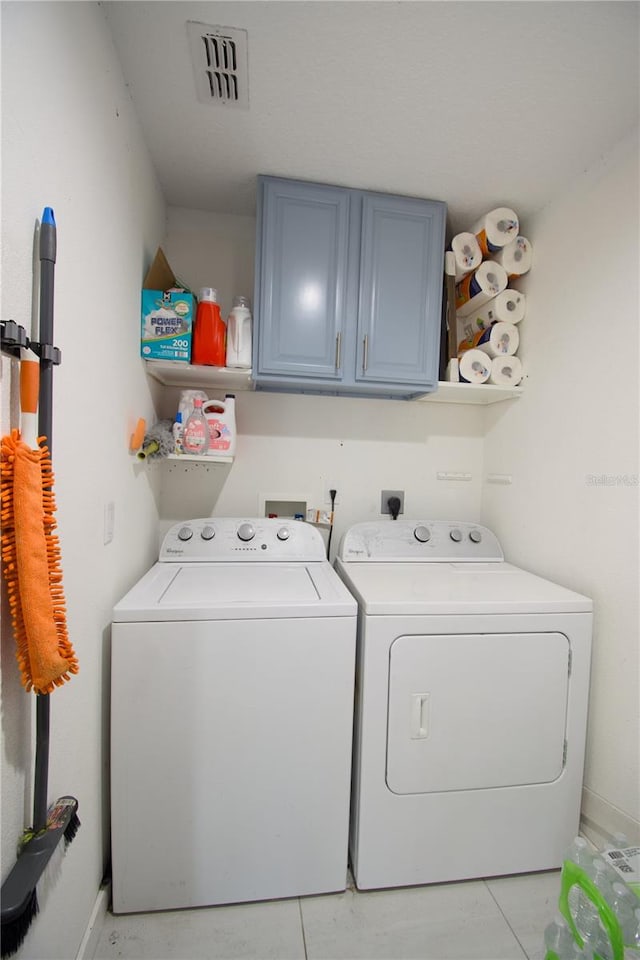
[(221, 420), (195, 439)]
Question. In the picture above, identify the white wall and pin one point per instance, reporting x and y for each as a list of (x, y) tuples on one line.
[(571, 445), (209, 250), (304, 445), (71, 141)]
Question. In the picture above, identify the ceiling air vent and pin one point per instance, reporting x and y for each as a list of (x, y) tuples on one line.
[(219, 56)]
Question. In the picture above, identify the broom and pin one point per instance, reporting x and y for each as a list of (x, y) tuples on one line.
[(31, 566)]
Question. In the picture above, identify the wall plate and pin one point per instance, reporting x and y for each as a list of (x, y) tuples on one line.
[(384, 500)]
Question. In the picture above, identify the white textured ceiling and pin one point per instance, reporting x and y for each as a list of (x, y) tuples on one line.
[(476, 103)]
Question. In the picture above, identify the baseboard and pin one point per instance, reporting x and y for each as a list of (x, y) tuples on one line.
[(94, 927), (600, 820)]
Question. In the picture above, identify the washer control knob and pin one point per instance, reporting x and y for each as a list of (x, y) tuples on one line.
[(422, 534), (475, 536), (208, 533), (246, 532), (185, 533), (283, 533), (456, 535)]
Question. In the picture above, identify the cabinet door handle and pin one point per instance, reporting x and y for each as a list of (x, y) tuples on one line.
[(365, 353), (338, 349)]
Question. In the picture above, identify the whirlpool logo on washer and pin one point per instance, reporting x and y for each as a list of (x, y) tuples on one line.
[(173, 550)]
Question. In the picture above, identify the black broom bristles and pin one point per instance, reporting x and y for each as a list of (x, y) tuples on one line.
[(19, 897), (14, 931)]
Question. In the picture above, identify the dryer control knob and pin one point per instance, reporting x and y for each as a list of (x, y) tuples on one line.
[(246, 532), (208, 533), (422, 534), (475, 536), (185, 533), (283, 533), (456, 535)]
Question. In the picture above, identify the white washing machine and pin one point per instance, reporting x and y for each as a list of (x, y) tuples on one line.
[(231, 719), (471, 706)]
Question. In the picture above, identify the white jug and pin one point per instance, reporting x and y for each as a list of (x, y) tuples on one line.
[(239, 334), (221, 420)]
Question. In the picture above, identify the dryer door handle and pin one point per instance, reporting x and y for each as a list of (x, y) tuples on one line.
[(420, 704)]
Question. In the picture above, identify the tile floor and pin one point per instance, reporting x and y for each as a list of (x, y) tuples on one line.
[(497, 919)]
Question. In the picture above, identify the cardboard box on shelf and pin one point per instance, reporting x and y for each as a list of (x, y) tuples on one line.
[(168, 310)]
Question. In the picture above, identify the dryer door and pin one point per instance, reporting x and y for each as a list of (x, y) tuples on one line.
[(469, 711)]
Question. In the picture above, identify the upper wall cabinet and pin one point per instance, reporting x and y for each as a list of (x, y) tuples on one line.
[(348, 290)]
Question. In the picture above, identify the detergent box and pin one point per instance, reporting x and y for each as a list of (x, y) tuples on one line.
[(168, 309)]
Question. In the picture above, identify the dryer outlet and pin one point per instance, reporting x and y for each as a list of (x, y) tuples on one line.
[(384, 500)]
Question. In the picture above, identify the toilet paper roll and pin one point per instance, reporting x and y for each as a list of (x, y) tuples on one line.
[(508, 307), (496, 229), (506, 371), (453, 371), (467, 253), (500, 340), (449, 264), (474, 367), (515, 257), (481, 285)]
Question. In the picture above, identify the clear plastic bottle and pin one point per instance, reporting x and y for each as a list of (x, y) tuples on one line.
[(209, 335), (558, 938), (604, 877), (636, 934), (575, 952), (581, 853), (584, 910), (195, 439), (623, 905), (603, 947)]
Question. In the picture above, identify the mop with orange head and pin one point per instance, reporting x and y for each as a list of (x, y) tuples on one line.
[(30, 549), (32, 570)]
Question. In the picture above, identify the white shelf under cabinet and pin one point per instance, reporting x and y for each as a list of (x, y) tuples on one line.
[(478, 393), (173, 374)]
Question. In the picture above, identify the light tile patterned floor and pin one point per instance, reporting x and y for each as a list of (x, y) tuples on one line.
[(497, 919)]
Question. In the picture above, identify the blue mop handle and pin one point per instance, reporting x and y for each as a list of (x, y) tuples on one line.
[(47, 253)]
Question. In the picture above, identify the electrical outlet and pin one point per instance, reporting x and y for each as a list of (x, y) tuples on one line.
[(384, 500), (327, 495)]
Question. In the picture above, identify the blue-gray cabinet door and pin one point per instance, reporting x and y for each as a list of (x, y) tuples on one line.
[(302, 260), (400, 294)]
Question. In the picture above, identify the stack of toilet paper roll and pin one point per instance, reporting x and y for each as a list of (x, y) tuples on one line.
[(492, 358), (486, 259)]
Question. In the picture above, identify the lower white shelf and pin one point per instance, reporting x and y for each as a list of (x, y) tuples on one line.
[(185, 457), (478, 393)]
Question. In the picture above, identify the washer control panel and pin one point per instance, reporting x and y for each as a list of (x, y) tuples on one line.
[(420, 540), (229, 538)]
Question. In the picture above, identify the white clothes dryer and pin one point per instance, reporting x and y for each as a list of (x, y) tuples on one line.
[(471, 706), (232, 691)]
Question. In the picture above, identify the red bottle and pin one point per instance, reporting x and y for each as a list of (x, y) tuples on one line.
[(210, 334)]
